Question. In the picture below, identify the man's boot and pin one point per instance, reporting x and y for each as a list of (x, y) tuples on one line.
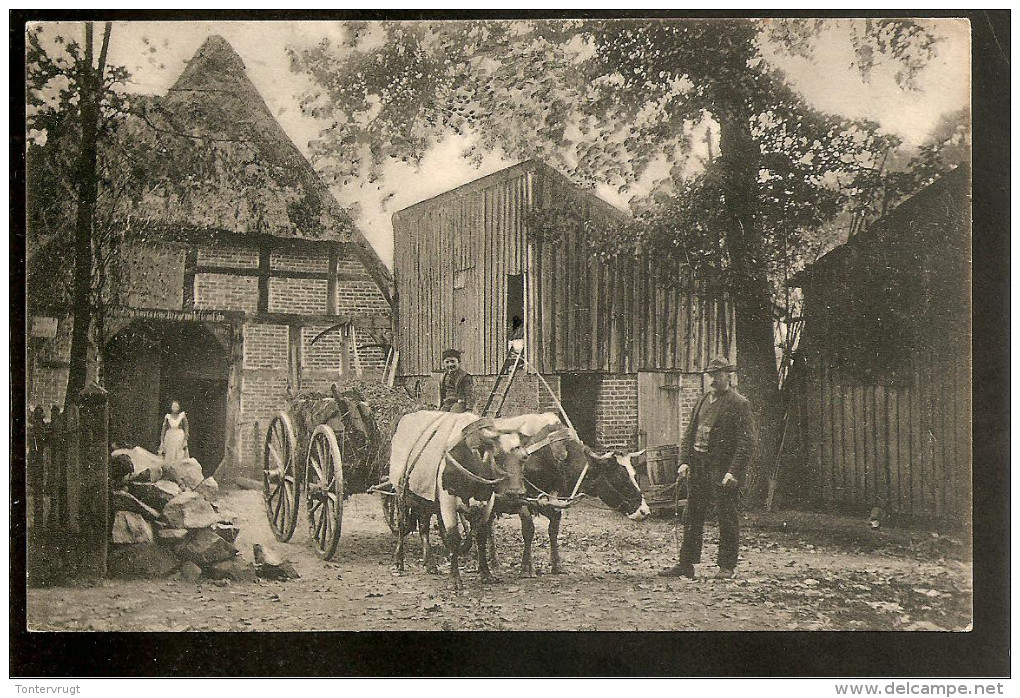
[(678, 570)]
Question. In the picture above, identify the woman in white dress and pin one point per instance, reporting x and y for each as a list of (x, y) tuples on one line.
[(173, 442)]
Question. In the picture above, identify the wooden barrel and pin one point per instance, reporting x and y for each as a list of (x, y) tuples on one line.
[(657, 476)]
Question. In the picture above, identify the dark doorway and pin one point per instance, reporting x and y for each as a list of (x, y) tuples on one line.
[(579, 393), (150, 363), (515, 304)]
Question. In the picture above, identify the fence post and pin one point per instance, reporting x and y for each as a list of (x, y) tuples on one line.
[(94, 480)]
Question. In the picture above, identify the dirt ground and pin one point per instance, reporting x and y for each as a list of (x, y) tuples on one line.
[(797, 572)]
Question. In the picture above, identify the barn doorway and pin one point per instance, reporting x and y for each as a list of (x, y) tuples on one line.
[(515, 305), (579, 394), (150, 363)]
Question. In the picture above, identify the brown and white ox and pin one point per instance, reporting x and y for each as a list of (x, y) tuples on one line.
[(557, 460), (480, 464)]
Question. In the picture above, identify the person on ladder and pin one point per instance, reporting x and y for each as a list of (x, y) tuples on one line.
[(456, 387), (714, 454), (515, 336)]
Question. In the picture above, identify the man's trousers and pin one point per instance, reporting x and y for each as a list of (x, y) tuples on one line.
[(704, 485)]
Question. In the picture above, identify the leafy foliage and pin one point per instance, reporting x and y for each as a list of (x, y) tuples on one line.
[(611, 101)]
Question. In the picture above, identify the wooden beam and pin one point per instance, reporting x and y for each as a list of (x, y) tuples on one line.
[(294, 359), (331, 304), (277, 273), (377, 322), (263, 272), (190, 267)]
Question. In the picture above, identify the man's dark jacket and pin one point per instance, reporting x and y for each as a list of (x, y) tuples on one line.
[(462, 388), (732, 439)]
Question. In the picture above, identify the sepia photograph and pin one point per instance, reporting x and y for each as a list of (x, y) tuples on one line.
[(604, 324)]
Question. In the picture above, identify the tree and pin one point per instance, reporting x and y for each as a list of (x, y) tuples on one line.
[(608, 100), (71, 104)]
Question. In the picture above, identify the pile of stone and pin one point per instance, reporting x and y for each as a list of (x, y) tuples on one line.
[(166, 520)]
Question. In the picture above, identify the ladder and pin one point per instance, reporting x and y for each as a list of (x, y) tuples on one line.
[(500, 388)]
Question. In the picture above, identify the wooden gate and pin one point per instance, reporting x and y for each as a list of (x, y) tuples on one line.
[(68, 490)]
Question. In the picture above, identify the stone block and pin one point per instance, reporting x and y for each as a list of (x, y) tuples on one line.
[(209, 489), (122, 500), (172, 534), (187, 473), (130, 527), (227, 532), (155, 494), (190, 510), (203, 547), (189, 571), (140, 560)]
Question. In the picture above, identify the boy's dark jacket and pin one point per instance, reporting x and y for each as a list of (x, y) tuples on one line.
[(732, 440)]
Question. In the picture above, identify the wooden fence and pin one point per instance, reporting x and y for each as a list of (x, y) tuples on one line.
[(68, 490)]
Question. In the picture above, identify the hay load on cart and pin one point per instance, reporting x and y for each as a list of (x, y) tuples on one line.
[(324, 447)]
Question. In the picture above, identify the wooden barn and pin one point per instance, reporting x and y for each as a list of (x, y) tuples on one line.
[(622, 353), (884, 372), (235, 258)]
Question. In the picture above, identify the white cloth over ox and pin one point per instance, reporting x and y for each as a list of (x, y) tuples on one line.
[(423, 439)]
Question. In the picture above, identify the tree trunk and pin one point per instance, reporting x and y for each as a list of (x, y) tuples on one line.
[(87, 189), (90, 81), (749, 286)]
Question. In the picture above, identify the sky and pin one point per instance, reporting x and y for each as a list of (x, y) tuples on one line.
[(826, 81)]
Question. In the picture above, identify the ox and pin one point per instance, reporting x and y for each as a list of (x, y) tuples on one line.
[(461, 475), (557, 461)]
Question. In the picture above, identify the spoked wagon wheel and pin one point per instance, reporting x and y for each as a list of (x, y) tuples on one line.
[(324, 478), (280, 477)]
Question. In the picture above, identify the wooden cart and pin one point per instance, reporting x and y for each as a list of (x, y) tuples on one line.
[(321, 449)]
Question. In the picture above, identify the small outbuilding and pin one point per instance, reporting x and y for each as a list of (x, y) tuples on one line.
[(883, 375)]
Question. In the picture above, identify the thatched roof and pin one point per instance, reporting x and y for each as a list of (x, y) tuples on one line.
[(218, 161)]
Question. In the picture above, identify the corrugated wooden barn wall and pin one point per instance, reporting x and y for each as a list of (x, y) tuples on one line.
[(582, 316), (613, 317), (472, 239), (904, 448)]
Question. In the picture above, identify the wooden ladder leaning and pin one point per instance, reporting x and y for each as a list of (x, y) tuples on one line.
[(501, 387)]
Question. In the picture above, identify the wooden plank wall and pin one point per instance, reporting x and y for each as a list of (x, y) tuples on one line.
[(613, 317), (582, 315), (905, 448), (479, 232)]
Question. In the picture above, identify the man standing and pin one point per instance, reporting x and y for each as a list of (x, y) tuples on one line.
[(714, 454), (455, 388)]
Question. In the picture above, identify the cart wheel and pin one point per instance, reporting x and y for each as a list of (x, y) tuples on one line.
[(324, 476), (279, 477)]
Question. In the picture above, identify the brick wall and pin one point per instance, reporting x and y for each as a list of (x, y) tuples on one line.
[(300, 260), (616, 412), (266, 346), (690, 391), (305, 296), (226, 292), (246, 256), (359, 296), (263, 395), (324, 354)]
